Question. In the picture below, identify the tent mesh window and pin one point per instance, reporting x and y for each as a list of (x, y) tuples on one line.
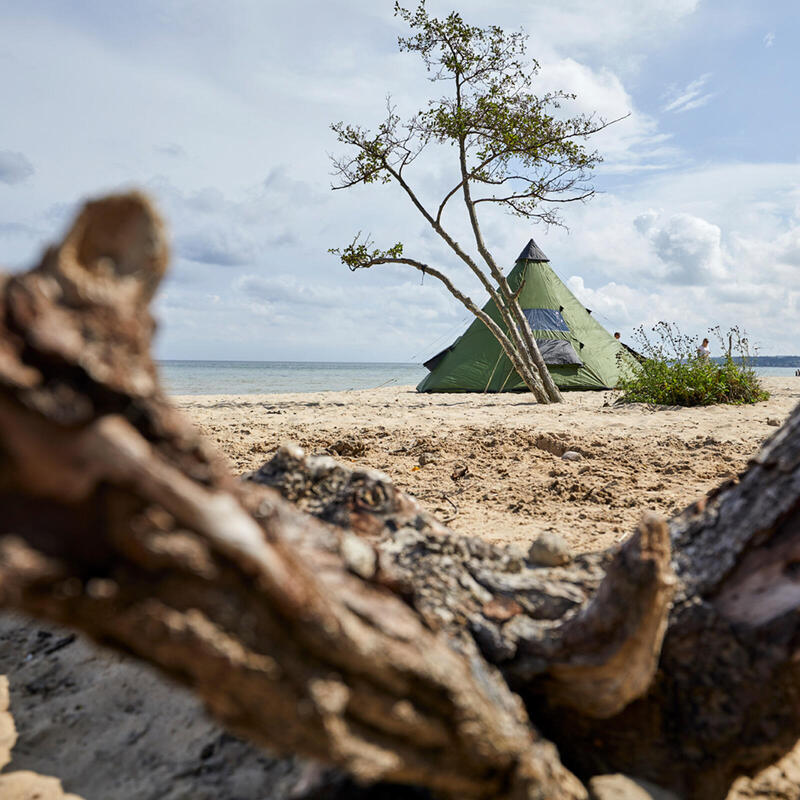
[(545, 319)]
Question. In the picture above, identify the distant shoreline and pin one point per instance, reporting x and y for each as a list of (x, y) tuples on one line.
[(259, 377), (279, 377), (293, 363), (768, 361), (756, 361)]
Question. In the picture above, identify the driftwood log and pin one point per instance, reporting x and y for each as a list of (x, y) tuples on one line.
[(318, 610), (23, 784)]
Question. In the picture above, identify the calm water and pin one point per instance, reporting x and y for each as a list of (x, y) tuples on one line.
[(776, 372), (267, 377)]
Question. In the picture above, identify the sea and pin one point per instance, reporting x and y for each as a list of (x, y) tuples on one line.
[(776, 372), (279, 377), (274, 377)]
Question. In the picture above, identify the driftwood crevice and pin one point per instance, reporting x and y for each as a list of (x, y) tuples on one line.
[(318, 610)]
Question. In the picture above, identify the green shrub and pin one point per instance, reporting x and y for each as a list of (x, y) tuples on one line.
[(671, 373)]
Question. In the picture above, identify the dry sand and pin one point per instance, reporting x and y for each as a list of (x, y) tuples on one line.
[(110, 728), (634, 457)]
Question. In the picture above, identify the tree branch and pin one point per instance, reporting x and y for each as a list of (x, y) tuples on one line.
[(122, 522), (518, 323), (363, 259), (373, 637)]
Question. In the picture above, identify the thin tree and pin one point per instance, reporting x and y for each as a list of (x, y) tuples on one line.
[(513, 151)]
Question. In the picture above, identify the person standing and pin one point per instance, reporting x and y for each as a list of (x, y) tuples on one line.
[(704, 351)]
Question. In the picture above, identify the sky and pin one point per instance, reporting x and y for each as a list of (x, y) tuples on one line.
[(221, 111)]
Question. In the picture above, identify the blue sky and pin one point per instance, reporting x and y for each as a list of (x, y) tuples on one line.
[(221, 112)]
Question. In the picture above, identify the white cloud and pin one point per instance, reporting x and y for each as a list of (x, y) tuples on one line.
[(170, 149), (691, 249), (214, 247), (645, 221), (247, 229), (403, 300), (769, 39), (689, 98), (619, 32), (633, 143), (224, 118), (14, 167), (279, 316), (700, 248), (613, 303), (788, 247)]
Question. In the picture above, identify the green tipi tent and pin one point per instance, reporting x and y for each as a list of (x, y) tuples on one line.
[(579, 352)]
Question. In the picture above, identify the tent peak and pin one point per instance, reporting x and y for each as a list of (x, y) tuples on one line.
[(531, 252)]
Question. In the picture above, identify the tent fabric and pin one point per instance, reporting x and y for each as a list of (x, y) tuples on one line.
[(545, 319), (531, 252), (557, 351), (476, 362), (433, 361)]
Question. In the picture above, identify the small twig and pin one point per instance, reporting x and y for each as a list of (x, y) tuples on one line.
[(455, 509)]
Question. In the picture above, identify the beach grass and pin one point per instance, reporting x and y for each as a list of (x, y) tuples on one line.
[(673, 372)]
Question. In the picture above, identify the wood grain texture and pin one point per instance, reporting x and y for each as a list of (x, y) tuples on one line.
[(317, 609)]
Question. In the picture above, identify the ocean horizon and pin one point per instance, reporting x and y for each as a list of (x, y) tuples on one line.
[(281, 377), (186, 377)]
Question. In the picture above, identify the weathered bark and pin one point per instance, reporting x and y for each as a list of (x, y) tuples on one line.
[(118, 520), (341, 621), (572, 626), (725, 700)]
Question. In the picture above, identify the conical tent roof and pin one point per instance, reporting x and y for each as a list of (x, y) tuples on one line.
[(579, 352)]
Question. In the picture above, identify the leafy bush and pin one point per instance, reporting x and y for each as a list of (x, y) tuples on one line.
[(670, 372)]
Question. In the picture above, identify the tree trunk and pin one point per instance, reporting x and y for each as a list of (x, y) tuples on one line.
[(506, 300), (509, 340), (553, 392), (325, 613)]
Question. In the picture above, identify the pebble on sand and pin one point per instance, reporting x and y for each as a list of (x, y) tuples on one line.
[(549, 549)]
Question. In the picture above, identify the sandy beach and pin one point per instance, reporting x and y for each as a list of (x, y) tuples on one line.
[(232, 228), (491, 465)]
